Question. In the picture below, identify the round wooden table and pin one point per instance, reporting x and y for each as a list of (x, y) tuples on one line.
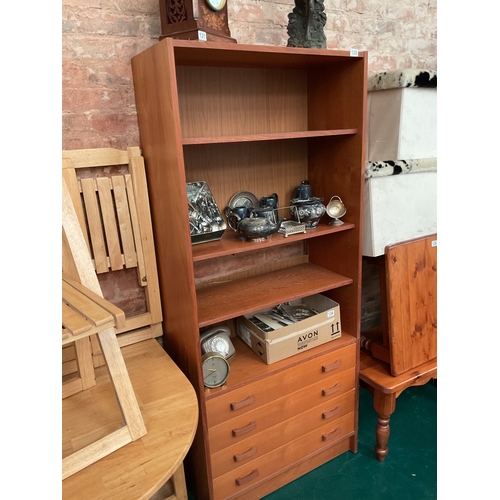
[(169, 407)]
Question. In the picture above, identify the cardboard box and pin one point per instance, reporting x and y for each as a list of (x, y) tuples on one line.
[(286, 341)]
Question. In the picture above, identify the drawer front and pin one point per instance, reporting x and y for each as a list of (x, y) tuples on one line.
[(253, 472), (287, 430), (227, 406), (256, 421)]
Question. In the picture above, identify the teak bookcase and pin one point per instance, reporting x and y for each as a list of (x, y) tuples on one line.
[(258, 119)]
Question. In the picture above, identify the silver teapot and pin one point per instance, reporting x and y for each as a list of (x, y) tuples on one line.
[(257, 228), (258, 225)]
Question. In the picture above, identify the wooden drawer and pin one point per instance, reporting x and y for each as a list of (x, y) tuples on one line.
[(256, 421), (237, 481), (239, 401), (285, 431)]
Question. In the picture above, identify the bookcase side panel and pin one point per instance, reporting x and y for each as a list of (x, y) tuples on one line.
[(161, 144)]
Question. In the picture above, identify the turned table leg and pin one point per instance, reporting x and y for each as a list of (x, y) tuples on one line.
[(384, 405)]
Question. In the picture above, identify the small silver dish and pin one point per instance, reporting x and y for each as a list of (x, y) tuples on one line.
[(291, 227), (243, 199)]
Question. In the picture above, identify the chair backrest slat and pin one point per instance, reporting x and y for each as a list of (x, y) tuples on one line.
[(105, 197), (124, 221), (94, 222)]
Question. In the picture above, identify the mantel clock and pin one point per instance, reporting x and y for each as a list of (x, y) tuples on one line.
[(195, 20)]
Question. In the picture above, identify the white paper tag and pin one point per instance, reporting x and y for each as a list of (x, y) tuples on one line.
[(202, 35), (354, 52)]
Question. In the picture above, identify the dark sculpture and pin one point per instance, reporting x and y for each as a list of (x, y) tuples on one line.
[(306, 23)]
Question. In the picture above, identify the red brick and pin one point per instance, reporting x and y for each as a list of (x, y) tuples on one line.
[(81, 99), (74, 74), (100, 37), (112, 123), (250, 13)]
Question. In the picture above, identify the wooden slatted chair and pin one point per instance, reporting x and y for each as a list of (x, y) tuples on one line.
[(403, 351), (109, 193), (85, 314)]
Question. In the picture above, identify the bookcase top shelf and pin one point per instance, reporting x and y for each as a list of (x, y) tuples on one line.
[(195, 53)]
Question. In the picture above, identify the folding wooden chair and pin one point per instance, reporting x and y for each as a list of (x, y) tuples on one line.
[(85, 314), (109, 193), (403, 351)]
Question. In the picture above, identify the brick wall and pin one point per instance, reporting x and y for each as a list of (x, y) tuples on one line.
[(99, 37)]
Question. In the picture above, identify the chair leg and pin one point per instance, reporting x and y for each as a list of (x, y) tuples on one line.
[(179, 482), (83, 353), (174, 488), (384, 405), (382, 431)]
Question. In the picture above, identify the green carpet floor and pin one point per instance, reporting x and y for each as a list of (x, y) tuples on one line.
[(409, 471)]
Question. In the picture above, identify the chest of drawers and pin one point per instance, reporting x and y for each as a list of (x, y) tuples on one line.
[(262, 428)]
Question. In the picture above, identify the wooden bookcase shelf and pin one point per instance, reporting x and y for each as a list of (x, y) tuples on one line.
[(231, 243), (228, 300), (257, 119), (266, 137)]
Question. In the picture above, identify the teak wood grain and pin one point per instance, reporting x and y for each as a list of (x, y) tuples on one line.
[(283, 431), (267, 137), (263, 390), (258, 119), (228, 300), (231, 243), (298, 469), (231, 484), (241, 427)]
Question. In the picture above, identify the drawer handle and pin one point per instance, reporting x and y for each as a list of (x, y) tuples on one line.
[(241, 404), (245, 479), (331, 390), (244, 430), (331, 435), (331, 413), (333, 366), (243, 456)]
